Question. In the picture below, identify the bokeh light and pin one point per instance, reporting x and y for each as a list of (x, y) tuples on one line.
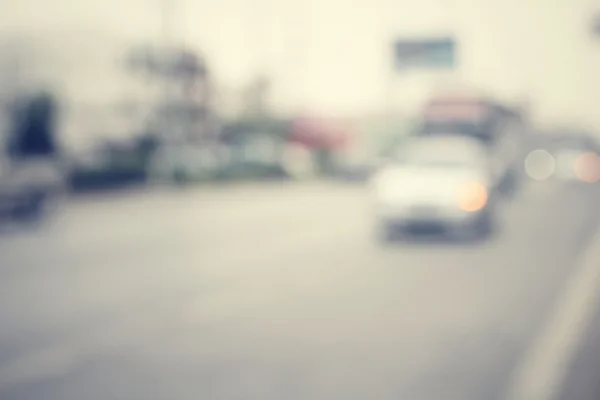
[(540, 165)]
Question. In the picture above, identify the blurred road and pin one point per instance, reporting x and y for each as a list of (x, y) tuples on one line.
[(276, 292), (582, 381)]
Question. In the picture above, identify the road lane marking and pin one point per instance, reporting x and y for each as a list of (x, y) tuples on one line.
[(541, 373)]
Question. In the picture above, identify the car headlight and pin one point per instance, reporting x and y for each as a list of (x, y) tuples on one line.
[(472, 196)]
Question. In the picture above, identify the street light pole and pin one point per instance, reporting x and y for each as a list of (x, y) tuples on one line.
[(167, 8), (167, 19)]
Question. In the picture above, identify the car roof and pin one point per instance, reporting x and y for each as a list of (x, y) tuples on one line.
[(446, 140), (456, 107)]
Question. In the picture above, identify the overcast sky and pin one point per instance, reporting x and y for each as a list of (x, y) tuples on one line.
[(334, 55)]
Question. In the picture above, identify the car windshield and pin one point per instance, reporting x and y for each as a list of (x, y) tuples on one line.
[(468, 128), (437, 155)]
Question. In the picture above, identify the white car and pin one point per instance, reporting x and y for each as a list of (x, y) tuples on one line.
[(440, 181)]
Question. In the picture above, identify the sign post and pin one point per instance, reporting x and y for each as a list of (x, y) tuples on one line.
[(596, 26), (435, 54)]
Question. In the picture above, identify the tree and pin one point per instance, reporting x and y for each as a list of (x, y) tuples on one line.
[(184, 104), (34, 130), (171, 64)]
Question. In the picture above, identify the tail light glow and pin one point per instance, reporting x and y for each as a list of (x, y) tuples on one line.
[(587, 167)]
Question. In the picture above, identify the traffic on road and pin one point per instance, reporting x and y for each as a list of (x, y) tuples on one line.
[(205, 213), (278, 291), (434, 278)]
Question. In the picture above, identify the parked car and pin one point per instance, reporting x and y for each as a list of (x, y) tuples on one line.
[(31, 170)]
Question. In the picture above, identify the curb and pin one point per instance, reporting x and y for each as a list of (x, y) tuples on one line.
[(542, 372)]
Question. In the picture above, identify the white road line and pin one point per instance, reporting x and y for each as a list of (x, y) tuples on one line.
[(541, 373)]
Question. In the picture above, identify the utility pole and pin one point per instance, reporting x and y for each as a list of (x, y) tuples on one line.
[(167, 19), (167, 37), (296, 52), (258, 35), (260, 39), (596, 25)]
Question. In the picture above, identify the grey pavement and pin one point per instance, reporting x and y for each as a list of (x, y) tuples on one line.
[(582, 381), (276, 292)]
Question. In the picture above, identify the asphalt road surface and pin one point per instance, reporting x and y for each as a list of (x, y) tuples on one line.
[(582, 382), (276, 292)]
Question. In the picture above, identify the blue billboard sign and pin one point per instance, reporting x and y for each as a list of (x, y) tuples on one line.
[(425, 53)]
